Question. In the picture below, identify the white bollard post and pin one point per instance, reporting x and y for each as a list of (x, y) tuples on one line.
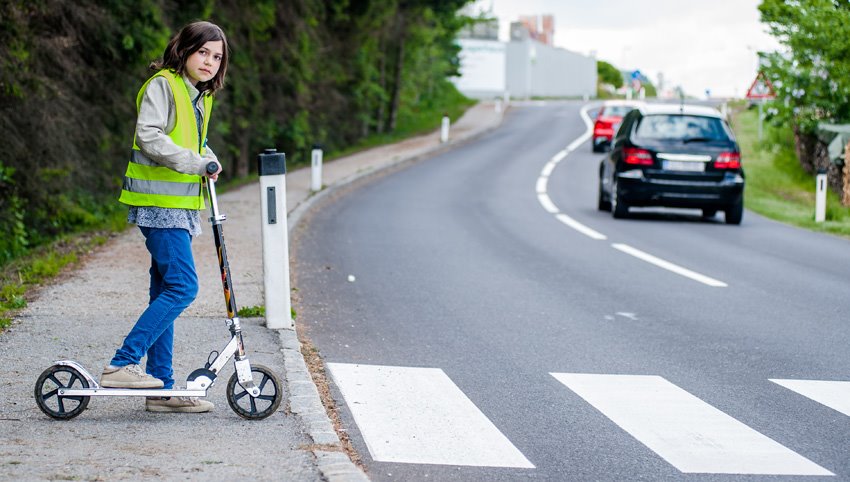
[(275, 233), (316, 170), (498, 106), (507, 97), (820, 196), (444, 130), (724, 110), (642, 93)]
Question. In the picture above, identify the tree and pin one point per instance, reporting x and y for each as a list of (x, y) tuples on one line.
[(608, 74), (301, 71), (812, 77), (438, 17)]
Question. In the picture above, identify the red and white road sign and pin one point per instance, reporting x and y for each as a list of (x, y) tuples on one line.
[(761, 88)]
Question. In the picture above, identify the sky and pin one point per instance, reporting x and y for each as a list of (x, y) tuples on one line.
[(696, 44)]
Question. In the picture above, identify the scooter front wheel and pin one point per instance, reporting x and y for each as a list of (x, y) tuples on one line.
[(255, 408), (47, 392)]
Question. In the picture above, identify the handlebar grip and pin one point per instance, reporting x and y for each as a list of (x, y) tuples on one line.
[(212, 167)]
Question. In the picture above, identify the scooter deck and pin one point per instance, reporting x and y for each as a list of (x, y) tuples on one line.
[(95, 390), (130, 392)]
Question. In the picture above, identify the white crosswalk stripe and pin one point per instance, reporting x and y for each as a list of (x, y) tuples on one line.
[(835, 395), (687, 432), (418, 415)]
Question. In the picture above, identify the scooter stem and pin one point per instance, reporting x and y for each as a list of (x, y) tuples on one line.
[(216, 219)]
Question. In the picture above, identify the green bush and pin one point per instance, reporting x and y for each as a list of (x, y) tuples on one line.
[(777, 186)]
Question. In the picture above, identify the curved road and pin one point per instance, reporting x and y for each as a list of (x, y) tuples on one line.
[(481, 320)]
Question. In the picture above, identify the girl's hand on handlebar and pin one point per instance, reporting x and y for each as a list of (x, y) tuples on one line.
[(213, 169)]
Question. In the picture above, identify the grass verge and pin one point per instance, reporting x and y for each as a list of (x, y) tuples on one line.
[(777, 186)]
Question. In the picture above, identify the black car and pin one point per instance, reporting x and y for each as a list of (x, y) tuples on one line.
[(673, 155)]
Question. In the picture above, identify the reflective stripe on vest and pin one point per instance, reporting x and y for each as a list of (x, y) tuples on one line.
[(147, 183)]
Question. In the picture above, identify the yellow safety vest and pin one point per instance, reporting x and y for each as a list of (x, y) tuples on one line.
[(147, 183)]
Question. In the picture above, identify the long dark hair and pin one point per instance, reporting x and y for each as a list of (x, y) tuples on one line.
[(188, 41)]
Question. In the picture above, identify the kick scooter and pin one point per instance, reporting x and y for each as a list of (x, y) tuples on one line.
[(254, 392)]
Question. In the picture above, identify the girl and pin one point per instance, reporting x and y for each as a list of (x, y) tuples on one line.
[(162, 186)]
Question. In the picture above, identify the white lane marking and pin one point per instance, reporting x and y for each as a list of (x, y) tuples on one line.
[(589, 132), (668, 265), (541, 184), (559, 156), (579, 227), (547, 203), (543, 180), (419, 416), (687, 432), (835, 395)]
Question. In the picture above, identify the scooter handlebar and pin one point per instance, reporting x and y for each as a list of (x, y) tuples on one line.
[(212, 167)]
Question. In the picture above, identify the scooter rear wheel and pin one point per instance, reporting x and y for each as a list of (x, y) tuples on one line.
[(47, 392), (255, 408)]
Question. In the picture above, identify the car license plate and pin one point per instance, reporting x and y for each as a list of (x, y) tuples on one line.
[(690, 166)]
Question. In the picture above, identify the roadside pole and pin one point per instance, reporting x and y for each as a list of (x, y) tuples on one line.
[(316, 168), (820, 196), (444, 129), (271, 166)]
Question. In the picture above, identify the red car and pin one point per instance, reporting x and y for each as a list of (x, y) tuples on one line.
[(608, 121)]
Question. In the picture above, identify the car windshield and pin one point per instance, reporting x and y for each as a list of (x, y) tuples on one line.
[(687, 128), (616, 110)]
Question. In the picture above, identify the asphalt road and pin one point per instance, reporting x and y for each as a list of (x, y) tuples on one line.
[(576, 359)]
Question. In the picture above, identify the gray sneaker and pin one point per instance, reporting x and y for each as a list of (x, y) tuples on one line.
[(130, 376), (178, 405)]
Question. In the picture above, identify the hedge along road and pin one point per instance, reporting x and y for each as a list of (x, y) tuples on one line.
[(473, 303)]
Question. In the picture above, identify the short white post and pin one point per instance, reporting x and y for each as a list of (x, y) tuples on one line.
[(507, 98), (629, 93), (316, 169), (820, 196), (724, 110), (586, 97), (642, 93), (271, 166), (498, 106), (444, 130)]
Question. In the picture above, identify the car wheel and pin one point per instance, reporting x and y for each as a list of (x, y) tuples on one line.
[(735, 213), (619, 208), (709, 213), (602, 203)]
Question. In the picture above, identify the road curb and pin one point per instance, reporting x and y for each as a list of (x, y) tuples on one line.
[(304, 399)]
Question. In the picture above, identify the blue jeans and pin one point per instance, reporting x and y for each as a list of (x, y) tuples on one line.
[(174, 285)]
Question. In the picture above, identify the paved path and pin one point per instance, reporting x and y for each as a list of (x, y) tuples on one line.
[(85, 315)]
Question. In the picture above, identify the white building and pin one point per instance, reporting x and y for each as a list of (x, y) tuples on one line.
[(524, 68)]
